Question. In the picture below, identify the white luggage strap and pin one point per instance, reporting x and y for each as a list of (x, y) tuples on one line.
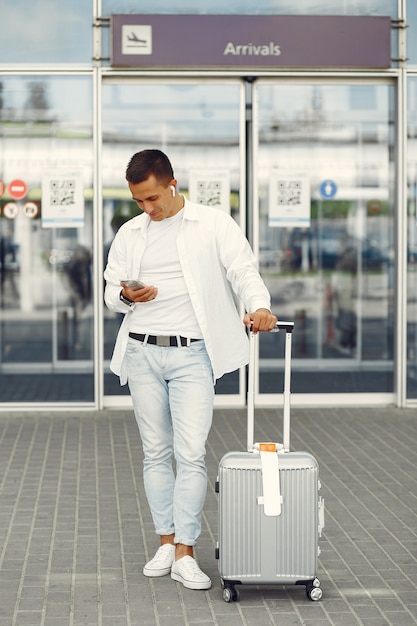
[(271, 498)]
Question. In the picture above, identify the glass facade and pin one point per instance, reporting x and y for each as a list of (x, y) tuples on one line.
[(412, 241), (412, 34), (45, 32), (411, 212), (261, 7), (69, 123)]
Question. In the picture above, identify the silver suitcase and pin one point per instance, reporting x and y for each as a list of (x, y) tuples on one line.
[(270, 511)]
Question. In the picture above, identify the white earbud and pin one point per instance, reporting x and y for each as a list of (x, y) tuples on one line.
[(172, 190)]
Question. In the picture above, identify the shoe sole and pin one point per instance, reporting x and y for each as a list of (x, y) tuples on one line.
[(188, 584), (156, 573)]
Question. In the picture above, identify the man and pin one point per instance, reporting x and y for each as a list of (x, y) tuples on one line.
[(181, 332)]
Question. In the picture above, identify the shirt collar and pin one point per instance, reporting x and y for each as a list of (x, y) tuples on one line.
[(191, 212)]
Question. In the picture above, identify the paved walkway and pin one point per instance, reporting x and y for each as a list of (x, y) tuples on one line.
[(75, 529)]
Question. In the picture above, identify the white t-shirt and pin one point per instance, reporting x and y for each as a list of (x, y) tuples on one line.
[(171, 312)]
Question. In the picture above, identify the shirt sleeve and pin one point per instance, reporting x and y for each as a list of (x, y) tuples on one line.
[(241, 267), (116, 270)]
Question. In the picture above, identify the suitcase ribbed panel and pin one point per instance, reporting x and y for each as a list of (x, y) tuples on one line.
[(242, 520), (260, 549)]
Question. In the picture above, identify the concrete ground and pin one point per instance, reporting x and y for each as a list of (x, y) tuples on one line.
[(75, 529)]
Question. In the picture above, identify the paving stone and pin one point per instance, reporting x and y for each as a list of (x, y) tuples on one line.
[(75, 528)]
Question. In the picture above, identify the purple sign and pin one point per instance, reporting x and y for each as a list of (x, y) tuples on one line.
[(250, 41)]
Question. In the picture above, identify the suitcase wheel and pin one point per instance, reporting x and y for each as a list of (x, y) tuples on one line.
[(230, 594), (313, 590)]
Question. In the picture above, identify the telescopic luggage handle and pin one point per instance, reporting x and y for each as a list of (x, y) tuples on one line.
[(288, 327)]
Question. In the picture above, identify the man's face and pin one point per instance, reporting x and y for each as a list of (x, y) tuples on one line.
[(155, 199)]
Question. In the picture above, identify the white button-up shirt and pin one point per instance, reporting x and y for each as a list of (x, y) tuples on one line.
[(217, 262)]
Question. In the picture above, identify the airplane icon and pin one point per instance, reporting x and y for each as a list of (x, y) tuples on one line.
[(133, 37)]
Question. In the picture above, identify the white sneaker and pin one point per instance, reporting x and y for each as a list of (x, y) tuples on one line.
[(161, 563), (187, 572)]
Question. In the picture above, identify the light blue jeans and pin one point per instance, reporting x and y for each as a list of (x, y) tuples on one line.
[(172, 392)]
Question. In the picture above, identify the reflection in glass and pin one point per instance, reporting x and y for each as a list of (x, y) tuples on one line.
[(334, 278), (46, 325)]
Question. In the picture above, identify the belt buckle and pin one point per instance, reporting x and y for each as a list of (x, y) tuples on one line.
[(163, 341)]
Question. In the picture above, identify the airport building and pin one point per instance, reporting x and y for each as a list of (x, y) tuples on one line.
[(298, 118)]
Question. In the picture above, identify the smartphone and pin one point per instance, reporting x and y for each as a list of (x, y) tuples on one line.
[(134, 284)]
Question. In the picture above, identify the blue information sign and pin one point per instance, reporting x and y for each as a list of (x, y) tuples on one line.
[(328, 189)]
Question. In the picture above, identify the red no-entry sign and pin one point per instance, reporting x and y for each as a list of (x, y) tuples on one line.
[(2, 188), (18, 189)]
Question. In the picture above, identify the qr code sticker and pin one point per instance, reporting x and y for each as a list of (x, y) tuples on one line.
[(209, 192), (62, 192), (289, 192)]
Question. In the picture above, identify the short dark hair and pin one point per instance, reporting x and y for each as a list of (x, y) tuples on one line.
[(147, 163)]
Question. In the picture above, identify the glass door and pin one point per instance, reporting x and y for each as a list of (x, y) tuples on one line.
[(200, 126), (324, 175), (46, 240)]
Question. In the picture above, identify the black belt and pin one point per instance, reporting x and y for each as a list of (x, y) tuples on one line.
[(164, 341)]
